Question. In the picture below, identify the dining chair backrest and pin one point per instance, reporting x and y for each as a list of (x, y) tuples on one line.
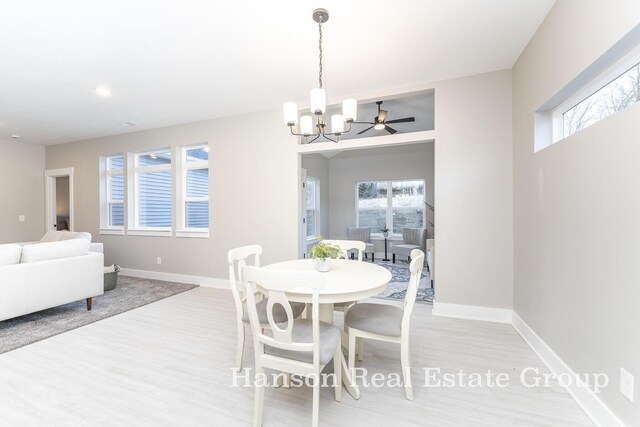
[(237, 259), (416, 266), (275, 284), (349, 245), (359, 233)]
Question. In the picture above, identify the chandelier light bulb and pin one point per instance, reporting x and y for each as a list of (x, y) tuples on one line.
[(379, 126), (350, 110), (306, 125), (290, 110), (318, 101), (337, 124)]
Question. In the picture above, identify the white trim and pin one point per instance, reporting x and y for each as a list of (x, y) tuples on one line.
[(595, 408), (111, 231), (50, 192), (153, 233), (374, 141), (472, 312), (195, 234), (209, 282)]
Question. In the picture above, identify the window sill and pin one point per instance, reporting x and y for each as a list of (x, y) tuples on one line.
[(151, 233), (199, 234), (111, 231)]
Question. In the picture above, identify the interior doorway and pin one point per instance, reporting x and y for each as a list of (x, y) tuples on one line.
[(59, 199)]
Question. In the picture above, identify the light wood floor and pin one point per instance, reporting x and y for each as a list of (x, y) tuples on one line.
[(168, 364)]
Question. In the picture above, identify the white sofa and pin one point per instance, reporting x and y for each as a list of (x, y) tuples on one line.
[(37, 276), (56, 236)]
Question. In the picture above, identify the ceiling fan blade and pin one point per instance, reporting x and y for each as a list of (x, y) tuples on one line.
[(382, 115), (405, 120), (361, 132), (390, 129), (364, 123)]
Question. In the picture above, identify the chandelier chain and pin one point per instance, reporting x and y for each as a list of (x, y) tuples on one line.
[(320, 48)]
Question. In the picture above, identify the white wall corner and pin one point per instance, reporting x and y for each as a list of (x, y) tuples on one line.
[(472, 312), (590, 403), (209, 282)]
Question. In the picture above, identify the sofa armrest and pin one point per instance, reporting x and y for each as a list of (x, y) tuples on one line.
[(96, 247)]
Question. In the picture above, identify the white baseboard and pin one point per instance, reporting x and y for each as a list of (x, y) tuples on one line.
[(472, 312), (209, 282), (599, 413)]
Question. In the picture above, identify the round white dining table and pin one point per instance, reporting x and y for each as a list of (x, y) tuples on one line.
[(346, 281)]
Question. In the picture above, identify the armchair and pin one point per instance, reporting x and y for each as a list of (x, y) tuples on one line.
[(412, 238), (362, 234)]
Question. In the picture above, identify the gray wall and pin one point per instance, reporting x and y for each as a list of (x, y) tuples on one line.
[(474, 190), (21, 191), (250, 174), (577, 205), (374, 164)]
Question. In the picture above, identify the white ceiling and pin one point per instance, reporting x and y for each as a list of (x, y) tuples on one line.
[(170, 62)]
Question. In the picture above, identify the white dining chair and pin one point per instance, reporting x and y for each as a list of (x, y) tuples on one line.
[(237, 259), (349, 245), (387, 322), (346, 246), (297, 346)]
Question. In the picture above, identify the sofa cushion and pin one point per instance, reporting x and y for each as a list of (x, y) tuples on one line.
[(10, 254), (68, 235), (50, 236), (55, 236), (54, 250)]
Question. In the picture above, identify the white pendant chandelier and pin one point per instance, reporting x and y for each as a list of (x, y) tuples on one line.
[(318, 104)]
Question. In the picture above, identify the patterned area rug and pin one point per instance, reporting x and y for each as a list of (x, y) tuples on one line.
[(397, 288), (130, 293)]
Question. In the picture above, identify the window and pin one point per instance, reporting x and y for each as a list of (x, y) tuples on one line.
[(157, 181), (152, 190), (607, 86), (115, 192), (193, 196), (615, 96), (312, 190), (390, 204)]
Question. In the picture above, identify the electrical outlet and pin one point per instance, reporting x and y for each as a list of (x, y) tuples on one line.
[(626, 384), (158, 260), (21, 218)]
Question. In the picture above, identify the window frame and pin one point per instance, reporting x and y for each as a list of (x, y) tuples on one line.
[(617, 69), (106, 176), (135, 171), (316, 209), (182, 167), (389, 209)]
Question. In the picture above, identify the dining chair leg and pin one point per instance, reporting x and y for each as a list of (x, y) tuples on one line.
[(240, 349), (316, 400), (352, 351), (406, 368), (360, 349), (259, 403), (337, 372)]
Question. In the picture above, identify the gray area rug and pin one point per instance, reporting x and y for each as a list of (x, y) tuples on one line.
[(397, 288), (130, 293)]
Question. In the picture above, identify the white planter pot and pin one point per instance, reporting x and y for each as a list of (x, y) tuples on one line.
[(323, 265)]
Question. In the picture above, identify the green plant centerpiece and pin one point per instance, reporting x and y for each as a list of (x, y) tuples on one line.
[(323, 253)]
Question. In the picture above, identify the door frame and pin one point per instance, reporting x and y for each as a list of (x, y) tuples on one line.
[(50, 176)]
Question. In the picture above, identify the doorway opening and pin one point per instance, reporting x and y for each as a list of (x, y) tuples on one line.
[(59, 199)]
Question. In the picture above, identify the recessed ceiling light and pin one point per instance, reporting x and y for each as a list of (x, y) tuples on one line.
[(15, 136), (127, 124), (102, 91)]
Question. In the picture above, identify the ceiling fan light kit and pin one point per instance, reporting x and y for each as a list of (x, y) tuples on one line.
[(318, 104), (380, 121)]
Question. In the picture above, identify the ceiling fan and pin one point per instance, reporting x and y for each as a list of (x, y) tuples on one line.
[(380, 123)]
